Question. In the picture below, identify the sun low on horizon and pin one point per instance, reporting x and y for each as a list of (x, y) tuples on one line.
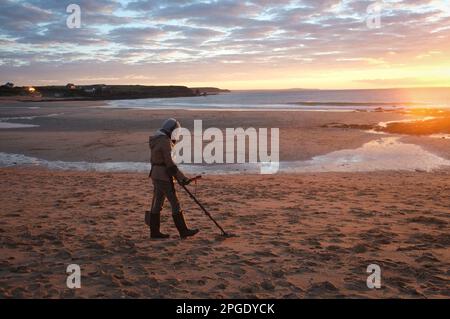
[(259, 44)]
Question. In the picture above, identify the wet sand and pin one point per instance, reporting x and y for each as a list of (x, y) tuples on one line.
[(80, 131), (308, 235)]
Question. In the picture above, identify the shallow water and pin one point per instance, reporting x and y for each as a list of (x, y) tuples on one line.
[(386, 153), (442, 136), (5, 122), (6, 125), (413, 120)]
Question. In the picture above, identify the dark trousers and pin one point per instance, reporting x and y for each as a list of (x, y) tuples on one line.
[(161, 191)]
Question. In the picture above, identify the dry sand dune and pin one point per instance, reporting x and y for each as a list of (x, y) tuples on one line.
[(308, 235)]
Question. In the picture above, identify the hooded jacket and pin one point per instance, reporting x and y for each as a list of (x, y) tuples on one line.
[(163, 166)]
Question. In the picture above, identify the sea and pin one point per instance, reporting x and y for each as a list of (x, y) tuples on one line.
[(300, 99)]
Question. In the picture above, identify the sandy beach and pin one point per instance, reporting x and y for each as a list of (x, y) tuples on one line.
[(297, 236), (308, 235)]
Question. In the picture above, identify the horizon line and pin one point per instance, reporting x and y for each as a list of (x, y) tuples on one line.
[(253, 89)]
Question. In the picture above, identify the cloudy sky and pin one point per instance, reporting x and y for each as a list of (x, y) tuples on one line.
[(232, 44)]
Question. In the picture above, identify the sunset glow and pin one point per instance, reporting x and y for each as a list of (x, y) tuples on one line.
[(231, 44)]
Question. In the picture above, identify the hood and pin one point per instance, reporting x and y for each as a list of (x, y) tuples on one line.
[(170, 125)]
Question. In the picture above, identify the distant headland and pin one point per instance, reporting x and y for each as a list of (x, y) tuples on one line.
[(102, 92)]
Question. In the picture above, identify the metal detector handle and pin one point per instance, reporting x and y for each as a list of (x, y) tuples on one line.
[(201, 206)]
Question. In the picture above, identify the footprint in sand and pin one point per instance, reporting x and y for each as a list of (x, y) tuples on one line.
[(355, 283), (267, 285), (359, 248), (238, 270), (197, 282), (427, 258), (324, 288), (250, 289), (223, 274), (427, 221)]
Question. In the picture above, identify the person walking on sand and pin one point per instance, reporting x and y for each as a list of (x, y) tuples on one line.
[(163, 173)]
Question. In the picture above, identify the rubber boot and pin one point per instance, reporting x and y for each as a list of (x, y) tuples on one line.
[(147, 218), (155, 221), (180, 223)]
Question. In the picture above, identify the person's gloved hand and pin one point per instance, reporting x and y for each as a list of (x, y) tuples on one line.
[(186, 181)]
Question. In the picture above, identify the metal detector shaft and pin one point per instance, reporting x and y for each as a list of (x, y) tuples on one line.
[(203, 208)]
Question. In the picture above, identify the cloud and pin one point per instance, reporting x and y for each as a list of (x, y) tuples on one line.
[(135, 35), (394, 82), (282, 35), (17, 17)]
